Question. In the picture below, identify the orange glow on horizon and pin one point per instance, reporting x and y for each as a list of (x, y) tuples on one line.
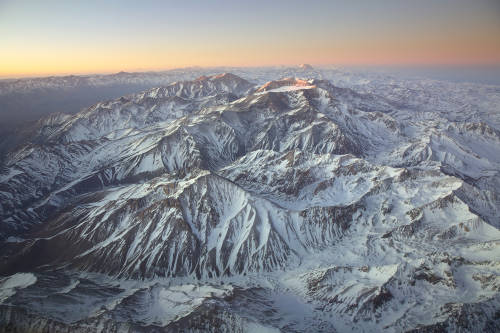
[(43, 64), (36, 60)]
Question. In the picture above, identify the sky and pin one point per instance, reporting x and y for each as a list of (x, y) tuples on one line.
[(73, 37)]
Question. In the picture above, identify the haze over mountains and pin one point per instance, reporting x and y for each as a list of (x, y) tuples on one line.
[(278, 199)]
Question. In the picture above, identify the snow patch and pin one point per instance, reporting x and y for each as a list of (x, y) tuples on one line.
[(11, 284)]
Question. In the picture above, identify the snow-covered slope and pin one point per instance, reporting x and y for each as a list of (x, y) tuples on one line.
[(218, 204)]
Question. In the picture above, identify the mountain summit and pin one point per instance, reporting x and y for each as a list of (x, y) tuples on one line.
[(306, 67)]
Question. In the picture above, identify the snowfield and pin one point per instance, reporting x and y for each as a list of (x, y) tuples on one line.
[(297, 200)]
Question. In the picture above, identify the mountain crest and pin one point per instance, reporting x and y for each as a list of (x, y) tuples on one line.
[(286, 82)]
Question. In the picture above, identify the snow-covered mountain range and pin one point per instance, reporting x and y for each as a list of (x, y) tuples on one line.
[(332, 202)]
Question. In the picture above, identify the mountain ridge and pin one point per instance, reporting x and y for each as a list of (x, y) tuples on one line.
[(342, 201)]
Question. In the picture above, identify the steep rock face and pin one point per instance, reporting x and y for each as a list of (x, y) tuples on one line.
[(349, 207), (201, 226), (147, 108)]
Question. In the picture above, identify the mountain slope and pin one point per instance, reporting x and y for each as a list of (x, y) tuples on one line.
[(295, 194)]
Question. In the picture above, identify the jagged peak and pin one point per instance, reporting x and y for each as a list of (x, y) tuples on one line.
[(289, 81), (221, 77), (306, 67), (227, 76), (202, 78)]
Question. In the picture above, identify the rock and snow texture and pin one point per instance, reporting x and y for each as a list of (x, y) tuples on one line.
[(9, 285), (221, 205)]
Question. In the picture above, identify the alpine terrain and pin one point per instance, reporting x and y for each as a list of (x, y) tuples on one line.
[(292, 200)]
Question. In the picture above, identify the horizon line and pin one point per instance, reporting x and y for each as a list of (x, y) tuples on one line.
[(318, 65)]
